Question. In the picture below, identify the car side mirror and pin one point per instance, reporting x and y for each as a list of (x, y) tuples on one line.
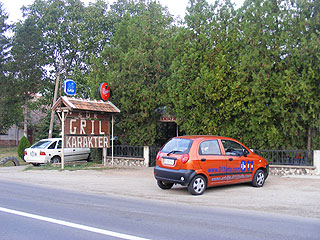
[(245, 152)]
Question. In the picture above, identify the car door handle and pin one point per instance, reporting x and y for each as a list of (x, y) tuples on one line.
[(74, 150), (203, 160), (230, 159)]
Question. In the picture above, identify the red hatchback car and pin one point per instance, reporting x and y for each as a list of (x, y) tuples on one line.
[(205, 161)]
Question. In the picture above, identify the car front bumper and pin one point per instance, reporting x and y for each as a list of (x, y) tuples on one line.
[(181, 176)]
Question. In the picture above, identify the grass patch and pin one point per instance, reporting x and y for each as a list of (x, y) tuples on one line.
[(10, 151), (70, 167)]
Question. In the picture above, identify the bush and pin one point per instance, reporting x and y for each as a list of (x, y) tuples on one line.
[(96, 155), (43, 128), (23, 144)]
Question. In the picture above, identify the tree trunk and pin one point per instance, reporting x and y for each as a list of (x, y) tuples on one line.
[(54, 101), (309, 138), (25, 118)]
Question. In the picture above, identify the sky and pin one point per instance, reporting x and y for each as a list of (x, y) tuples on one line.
[(176, 7)]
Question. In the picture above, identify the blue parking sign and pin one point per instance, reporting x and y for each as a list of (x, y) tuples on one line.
[(69, 87)]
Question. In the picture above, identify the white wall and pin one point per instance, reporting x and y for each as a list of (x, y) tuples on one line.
[(14, 133)]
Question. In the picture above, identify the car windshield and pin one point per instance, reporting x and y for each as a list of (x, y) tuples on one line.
[(177, 145), (41, 144)]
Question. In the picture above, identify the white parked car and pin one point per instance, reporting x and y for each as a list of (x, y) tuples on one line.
[(49, 151)]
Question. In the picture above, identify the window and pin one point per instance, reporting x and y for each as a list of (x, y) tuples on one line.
[(41, 144), (209, 148), (177, 145), (4, 133), (59, 144), (53, 145), (233, 148)]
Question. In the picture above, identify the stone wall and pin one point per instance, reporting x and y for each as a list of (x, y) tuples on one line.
[(126, 162), (292, 170)]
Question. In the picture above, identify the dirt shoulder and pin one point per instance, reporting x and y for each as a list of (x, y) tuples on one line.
[(293, 196)]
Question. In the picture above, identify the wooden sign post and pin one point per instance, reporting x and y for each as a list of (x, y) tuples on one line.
[(85, 123)]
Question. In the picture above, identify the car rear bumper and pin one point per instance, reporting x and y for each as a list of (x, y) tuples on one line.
[(181, 176), (39, 159)]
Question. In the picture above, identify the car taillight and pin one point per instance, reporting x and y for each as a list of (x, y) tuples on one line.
[(158, 156), (185, 158), (25, 153), (42, 153)]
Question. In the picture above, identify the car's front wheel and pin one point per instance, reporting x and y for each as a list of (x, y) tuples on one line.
[(164, 185), (198, 185), (259, 178)]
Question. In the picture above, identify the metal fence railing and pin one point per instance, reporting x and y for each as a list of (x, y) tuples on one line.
[(153, 155), (274, 157), (287, 157), (126, 151), (134, 152)]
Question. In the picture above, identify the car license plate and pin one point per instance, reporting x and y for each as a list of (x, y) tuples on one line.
[(33, 154), (167, 161)]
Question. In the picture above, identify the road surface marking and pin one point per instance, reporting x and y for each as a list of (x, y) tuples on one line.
[(73, 225)]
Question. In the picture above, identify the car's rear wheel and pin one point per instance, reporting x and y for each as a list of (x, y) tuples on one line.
[(164, 185), (56, 159), (198, 185), (259, 178)]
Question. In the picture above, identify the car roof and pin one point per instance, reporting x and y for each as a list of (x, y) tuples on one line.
[(204, 137), (50, 139)]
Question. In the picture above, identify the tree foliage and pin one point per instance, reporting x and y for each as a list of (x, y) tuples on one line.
[(9, 102), (238, 74), (250, 73), (137, 60), (43, 128), (27, 63)]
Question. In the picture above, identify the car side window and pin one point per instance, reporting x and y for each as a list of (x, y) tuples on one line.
[(59, 144), (210, 147), (53, 145), (233, 148)]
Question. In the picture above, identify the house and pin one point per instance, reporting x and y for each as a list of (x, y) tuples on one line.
[(11, 137), (15, 133)]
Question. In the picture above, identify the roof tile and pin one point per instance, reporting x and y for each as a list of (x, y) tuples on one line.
[(85, 104)]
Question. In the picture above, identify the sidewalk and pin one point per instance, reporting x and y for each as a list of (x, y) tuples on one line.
[(285, 195)]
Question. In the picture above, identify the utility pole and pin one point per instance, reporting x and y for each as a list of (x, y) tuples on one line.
[(54, 99)]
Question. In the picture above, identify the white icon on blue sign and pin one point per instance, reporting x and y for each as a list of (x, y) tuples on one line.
[(69, 87)]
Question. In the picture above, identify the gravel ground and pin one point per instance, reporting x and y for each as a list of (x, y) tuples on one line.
[(297, 196)]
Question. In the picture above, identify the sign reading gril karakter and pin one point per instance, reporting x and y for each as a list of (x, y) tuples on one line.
[(87, 130)]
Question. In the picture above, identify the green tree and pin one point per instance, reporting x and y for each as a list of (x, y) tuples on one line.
[(277, 63), (202, 88), (27, 64), (9, 103), (260, 72), (303, 69), (71, 32), (135, 64)]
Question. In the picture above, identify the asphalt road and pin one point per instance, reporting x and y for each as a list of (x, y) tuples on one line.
[(64, 214)]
